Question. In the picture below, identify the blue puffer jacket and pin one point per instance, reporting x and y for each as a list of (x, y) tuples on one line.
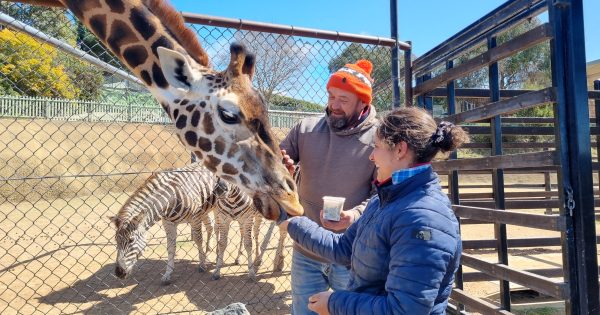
[(403, 251)]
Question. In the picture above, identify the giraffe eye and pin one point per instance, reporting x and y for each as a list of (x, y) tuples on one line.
[(227, 116)]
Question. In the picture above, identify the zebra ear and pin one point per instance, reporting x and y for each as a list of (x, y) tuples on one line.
[(115, 221)]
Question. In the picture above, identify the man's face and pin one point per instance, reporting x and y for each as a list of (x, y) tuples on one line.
[(344, 108)]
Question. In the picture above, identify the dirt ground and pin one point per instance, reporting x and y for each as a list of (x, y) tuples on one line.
[(63, 179), (60, 258)]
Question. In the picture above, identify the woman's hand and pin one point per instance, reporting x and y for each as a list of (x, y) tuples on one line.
[(346, 219), (319, 302), (284, 225)]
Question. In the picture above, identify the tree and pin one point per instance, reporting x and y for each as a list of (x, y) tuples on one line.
[(528, 69), (279, 62), (52, 21), (85, 80), (29, 67), (88, 42), (279, 102)]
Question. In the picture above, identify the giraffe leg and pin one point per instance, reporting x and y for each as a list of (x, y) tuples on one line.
[(197, 237), (279, 260), (223, 228), (246, 227), (171, 232), (257, 256)]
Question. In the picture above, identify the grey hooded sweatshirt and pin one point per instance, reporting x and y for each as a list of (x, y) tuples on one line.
[(332, 163)]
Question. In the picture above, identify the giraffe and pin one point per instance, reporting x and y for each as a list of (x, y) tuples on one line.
[(218, 116)]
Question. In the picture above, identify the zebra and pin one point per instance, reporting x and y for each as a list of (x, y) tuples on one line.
[(180, 195), (234, 205)]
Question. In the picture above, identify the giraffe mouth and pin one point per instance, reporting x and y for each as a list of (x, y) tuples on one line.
[(290, 203), (271, 206)]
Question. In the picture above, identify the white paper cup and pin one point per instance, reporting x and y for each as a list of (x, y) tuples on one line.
[(332, 207)]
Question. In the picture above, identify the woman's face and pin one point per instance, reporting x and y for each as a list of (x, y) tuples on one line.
[(385, 159)]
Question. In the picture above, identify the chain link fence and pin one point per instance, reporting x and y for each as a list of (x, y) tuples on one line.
[(78, 136)]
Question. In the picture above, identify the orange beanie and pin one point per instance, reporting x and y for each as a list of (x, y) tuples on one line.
[(355, 78)]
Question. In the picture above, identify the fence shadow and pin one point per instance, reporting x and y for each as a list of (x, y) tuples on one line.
[(103, 293)]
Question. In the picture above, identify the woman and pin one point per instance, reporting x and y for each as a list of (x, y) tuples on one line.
[(405, 248)]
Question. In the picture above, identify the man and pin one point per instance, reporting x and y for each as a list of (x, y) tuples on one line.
[(333, 154)]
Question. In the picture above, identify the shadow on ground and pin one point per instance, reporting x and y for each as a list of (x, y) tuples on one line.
[(103, 293)]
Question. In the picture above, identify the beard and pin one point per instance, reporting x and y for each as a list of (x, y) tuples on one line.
[(338, 123)]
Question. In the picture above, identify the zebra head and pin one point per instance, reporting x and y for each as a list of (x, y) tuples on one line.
[(131, 242)]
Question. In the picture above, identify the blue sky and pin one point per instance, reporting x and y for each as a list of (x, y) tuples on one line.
[(425, 22)]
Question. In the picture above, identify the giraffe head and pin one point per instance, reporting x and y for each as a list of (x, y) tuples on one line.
[(218, 115), (222, 118)]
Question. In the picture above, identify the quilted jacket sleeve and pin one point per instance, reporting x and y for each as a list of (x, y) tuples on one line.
[(417, 268), (334, 247)]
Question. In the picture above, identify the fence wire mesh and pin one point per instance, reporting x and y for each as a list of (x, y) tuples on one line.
[(77, 139)]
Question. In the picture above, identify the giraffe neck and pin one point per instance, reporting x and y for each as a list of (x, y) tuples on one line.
[(134, 29)]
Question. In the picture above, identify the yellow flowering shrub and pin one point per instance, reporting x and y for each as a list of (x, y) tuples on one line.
[(30, 67)]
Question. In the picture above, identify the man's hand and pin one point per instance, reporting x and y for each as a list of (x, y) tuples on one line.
[(319, 302), (288, 162), (346, 219)]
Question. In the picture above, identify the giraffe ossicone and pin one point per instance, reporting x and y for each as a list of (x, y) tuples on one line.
[(218, 116)]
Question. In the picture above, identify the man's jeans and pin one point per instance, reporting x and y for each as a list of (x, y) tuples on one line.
[(310, 276)]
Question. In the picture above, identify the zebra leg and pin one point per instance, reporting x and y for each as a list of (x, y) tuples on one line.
[(246, 229), (209, 230), (171, 232), (223, 228), (197, 237), (239, 254), (256, 231), (265, 242), (278, 262)]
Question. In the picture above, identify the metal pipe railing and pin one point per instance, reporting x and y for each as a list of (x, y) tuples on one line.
[(247, 25)]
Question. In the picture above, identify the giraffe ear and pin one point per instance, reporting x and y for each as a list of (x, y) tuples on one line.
[(176, 68), (238, 59), (249, 63)]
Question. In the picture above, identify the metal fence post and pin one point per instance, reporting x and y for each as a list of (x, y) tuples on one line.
[(498, 176), (573, 142), (408, 95), (395, 53), (428, 101), (597, 116), (453, 184)]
